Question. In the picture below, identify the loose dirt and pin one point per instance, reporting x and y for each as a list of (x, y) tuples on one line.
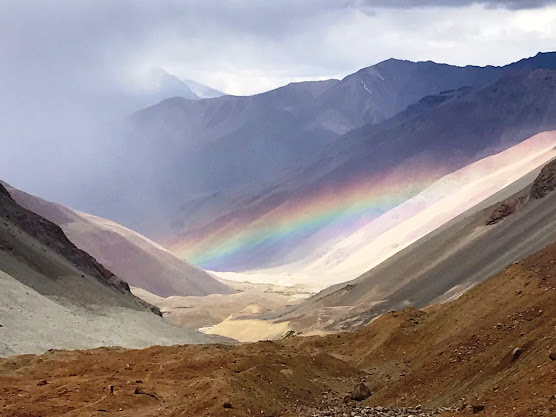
[(488, 352)]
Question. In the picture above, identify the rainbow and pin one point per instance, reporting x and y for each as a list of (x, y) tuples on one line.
[(329, 211)]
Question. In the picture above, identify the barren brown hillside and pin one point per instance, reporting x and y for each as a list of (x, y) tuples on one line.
[(494, 347)]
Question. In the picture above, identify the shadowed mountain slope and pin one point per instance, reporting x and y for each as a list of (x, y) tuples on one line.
[(190, 154), (134, 258), (372, 170), (54, 295)]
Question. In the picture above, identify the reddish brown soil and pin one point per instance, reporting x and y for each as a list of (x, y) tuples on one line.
[(457, 353), (463, 350)]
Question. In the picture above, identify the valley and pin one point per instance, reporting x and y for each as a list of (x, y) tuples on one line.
[(408, 358), (303, 209)]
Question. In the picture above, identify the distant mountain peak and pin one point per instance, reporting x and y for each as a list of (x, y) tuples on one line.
[(203, 91), (168, 85)]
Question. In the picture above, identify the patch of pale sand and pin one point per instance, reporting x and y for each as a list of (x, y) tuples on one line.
[(253, 309), (250, 330), (271, 276), (299, 282), (294, 292), (377, 241), (206, 311), (317, 332)]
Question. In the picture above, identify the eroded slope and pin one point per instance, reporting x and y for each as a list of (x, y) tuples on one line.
[(460, 354)]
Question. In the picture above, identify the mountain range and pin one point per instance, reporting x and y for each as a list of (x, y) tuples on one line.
[(440, 263), (240, 183), (407, 208), (367, 172), (315, 184)]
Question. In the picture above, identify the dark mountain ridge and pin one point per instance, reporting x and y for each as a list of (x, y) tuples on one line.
[(196, 161), (443, 133)]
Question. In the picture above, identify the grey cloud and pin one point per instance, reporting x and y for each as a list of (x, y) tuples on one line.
[(508, 4), (65, 63)]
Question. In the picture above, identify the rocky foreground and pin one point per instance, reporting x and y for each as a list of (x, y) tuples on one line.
[(356, 411), (491, 352)]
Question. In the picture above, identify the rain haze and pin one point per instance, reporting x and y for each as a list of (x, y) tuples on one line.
[(72, 71)]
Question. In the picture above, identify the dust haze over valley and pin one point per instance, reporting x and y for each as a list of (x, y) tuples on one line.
[(315, 193)]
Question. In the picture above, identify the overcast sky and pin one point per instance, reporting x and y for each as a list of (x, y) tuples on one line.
[(63, 63), (248, 46)]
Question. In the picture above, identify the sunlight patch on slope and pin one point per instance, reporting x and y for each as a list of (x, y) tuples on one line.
[(398, 228)]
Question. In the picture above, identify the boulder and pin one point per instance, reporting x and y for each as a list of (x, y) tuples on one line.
[(360, 392), (545, 183), (516, 353)]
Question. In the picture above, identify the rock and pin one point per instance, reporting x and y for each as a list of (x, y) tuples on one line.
[(227, 404), (41, 382), (502, 211), (289, 334), (545, 183), (360, 392), (140, 391), (478, 408), (516, 353), (552, 356)]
